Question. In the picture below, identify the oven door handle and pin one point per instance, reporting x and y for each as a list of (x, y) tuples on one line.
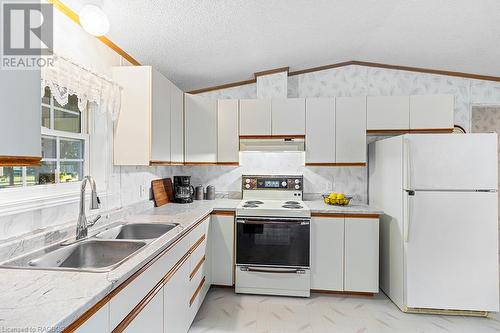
[(270, 221), (272, 270)]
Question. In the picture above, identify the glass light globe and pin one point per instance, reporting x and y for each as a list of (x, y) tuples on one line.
[(94, 20)]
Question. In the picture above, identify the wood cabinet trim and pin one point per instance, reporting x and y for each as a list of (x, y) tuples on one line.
[(387, 131), (197, 243), (197, 291), (200, 163), (363, 216), (228, 163), (196, 268), (327, 215), (223, 212), (348, 215), (159, 163), (336, 164), (292, 136), (336, 292), (406, 131), (431, 130), (20, 160), (90, 312)]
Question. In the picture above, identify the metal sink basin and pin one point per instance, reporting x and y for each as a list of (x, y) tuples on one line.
[(141, 231), (88, 255)]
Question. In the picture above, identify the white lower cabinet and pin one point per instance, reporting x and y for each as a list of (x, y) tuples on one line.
[(327, 253), (98, 323), (344, 253), (150, 319), (222, 249), (176, 301), (361, 254)]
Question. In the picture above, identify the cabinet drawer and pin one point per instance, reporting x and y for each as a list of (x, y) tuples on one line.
[(198, 232), (123, 302), (199, 252), (98, 323)]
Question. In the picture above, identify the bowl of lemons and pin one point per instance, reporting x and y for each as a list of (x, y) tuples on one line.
[(337, 199)]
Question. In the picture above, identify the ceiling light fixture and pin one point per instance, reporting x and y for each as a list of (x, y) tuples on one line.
[(94, 20)]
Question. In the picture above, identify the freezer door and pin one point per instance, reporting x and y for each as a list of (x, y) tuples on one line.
[(451, 251), (450, 161)]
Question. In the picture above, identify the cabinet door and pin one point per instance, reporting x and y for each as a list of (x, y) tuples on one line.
[(350, 127), (388, 112), (20, 135), (176, 125), (288, 116), (431, 111), (150, 319), (320, 130), (98, 323), (176, 301), (160, 124), (361, 254), (133, 128), (255, 117), (327, 253), (201, 129), (227, 131), (222, 249)]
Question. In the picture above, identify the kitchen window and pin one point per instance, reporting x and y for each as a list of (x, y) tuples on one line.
[(65, 145)]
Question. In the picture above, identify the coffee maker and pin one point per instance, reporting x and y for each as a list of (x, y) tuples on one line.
[(183, 190)]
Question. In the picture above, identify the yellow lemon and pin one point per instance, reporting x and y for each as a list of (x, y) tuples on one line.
[(340, 196), (333, 195), (327, 200)]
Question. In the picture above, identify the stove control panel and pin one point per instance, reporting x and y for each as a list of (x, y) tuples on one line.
[(283, 183)]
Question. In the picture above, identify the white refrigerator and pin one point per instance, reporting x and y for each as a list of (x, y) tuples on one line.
[(439, 230)]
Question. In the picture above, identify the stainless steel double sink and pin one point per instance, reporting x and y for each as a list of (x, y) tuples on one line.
[(100, 253)]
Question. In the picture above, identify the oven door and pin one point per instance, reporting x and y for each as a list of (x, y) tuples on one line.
[(273, 241)]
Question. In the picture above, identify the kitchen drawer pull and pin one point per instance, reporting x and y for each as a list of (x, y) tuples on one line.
[(279, 271)]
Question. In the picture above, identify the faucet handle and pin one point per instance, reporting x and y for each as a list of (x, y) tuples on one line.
[(94, 221)]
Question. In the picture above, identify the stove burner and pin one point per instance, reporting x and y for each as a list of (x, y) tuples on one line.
[(253, 202), (250, 206), (292, 206), (291, 203)]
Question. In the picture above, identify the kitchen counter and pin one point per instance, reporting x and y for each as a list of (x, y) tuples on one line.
[(319, 206), (48, 301)]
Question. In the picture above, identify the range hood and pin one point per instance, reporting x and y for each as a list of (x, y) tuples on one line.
[(278, 144)]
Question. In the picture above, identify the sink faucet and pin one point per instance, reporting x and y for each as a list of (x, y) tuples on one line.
[(83, 224)]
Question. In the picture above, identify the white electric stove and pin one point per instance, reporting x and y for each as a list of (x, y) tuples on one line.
[(273, 237)]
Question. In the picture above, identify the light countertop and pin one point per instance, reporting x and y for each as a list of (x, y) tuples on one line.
[(49, 301)]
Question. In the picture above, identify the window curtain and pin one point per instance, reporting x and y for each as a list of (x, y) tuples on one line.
[(67, 78)]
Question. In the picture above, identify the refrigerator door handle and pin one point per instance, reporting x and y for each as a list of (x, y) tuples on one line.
[(408, 176), (408, 215)]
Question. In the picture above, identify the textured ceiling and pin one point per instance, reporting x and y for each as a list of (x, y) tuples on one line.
[(203, 43)]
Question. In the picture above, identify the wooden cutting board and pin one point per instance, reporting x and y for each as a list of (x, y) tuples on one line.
[(169, 188), (160, 196)]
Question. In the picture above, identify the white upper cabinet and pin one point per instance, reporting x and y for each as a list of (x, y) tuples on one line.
[(143, 130), (388, 112), (431, 112), (288, 116), (255, 117), (327, 253), (227, 131), (320, 130), (350, 128), (160, 121), (20, 136), (176, 125), (201, 129)]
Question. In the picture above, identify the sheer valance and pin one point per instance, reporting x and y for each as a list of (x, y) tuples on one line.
[(67, 78)]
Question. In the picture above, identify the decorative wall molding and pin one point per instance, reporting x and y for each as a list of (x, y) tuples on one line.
[(349, 63)]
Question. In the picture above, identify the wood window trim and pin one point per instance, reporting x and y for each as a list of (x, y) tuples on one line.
[(14, 161)]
